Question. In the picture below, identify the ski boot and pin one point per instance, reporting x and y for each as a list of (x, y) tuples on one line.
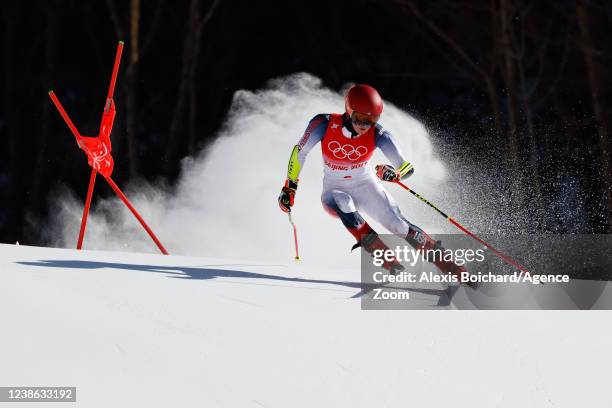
[(418, 239), (370, 242)]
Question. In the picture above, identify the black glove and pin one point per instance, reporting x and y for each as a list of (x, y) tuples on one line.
[(287, 195), (387, 173)]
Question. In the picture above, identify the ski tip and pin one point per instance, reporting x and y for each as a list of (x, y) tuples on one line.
[(121, 42), (50, 91)]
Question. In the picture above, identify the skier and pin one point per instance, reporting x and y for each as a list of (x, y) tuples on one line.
[(348, 142)]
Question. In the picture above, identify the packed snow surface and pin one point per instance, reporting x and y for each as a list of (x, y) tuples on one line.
[(134, 330)]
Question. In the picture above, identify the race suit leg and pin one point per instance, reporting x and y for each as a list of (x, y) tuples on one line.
[(371, 198), (339, 203)]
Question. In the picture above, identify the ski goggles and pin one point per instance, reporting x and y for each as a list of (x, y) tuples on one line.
[(362, 119)]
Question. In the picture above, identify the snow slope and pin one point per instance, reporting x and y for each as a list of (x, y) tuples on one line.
[(131, 330)]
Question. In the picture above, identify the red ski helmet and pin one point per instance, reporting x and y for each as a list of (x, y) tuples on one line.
[(365, 100)]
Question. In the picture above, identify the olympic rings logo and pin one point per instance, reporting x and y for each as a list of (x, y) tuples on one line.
[(347, 151)]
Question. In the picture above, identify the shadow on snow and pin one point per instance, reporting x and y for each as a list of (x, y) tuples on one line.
[(210, 272)]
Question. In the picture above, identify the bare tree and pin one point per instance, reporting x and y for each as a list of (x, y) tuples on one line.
[(11, 15), (130, 81), (53, 15), (506, 54), (187, 84), (515, 53), (485, 74), (508, 69), (193, 90), (596, 85)]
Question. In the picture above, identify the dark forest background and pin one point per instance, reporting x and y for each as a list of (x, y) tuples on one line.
[(529, 80)]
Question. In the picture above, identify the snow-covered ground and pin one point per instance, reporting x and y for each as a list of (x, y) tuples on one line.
[(134, 330)]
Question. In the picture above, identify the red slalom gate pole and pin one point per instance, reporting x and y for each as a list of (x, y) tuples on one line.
[(62, 112), (92, 178), (295, 239), (138, 217), (111, 87), (92, 182), (465, 230), (106, 133)]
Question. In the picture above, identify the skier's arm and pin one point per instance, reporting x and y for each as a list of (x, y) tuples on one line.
[(400, 167), (312, 135)]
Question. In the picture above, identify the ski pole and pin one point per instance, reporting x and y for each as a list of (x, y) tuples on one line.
[(295, 239), (465, 230)]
